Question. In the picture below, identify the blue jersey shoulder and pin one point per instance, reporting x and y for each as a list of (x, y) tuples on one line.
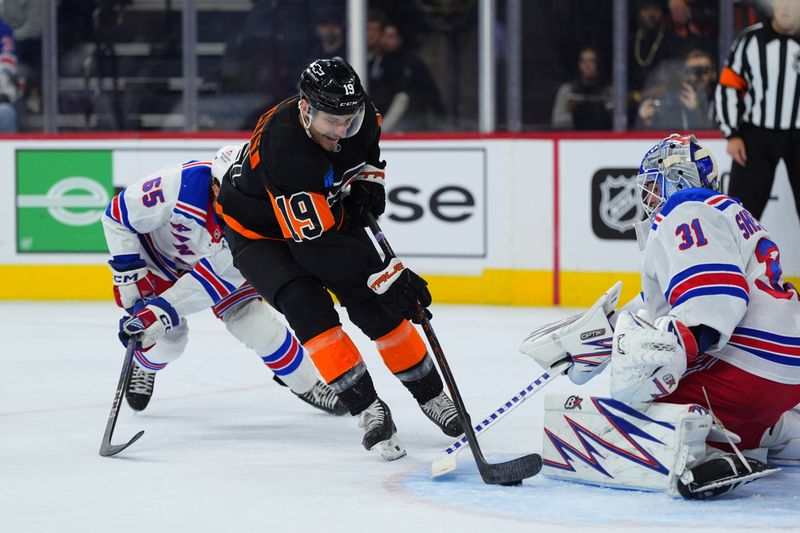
[(701, 195), (195, 184), (194, 197)]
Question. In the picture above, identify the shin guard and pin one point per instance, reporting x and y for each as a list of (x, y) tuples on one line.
[(404, 354), (601, 441)]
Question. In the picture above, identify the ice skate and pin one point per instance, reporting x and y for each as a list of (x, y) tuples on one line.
[(380, 433), (442, 412), (323, 398), (140, 388)]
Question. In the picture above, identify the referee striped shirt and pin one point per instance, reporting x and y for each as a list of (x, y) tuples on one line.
[(760, 83)]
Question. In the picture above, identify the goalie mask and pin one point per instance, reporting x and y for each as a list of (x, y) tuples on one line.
[(674, 164)]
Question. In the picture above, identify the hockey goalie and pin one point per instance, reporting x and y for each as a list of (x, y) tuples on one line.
[(704, 366)]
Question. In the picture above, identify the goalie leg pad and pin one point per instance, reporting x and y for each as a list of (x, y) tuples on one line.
[(584, 339), (601, 441), (782, 440)]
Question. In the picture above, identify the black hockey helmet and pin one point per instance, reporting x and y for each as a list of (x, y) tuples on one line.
[(332, 86)]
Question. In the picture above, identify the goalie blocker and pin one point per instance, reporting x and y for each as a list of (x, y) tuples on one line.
[(602, 441)]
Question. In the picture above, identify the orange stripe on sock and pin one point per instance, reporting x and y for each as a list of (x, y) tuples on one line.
[(401, 348), (333, 353)]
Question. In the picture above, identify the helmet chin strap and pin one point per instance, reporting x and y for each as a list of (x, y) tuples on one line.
[(306, 126)]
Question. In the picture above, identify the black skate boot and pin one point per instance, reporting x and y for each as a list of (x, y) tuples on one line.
[(719, 476), (323, 398), (140, 388), (380, 433), (442, 412)]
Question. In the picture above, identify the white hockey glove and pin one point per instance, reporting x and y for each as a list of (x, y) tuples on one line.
[(647, 361), (131, 283), (150, 323), (584, 339)]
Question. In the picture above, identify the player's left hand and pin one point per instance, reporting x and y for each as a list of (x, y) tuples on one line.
[(150, 323), (365, 197), (403, 287)]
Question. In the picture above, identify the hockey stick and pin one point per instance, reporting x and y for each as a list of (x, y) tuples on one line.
[(106, 448), (448, 460), (507, 473)]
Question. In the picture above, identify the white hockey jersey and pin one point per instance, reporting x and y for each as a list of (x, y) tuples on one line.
[(708, 261), (167, 219)]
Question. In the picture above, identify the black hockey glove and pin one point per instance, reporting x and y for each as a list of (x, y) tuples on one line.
[(365, 197), (398, 285)]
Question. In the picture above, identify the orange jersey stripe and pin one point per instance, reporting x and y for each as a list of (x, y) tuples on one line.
[(401, 348), (241, 230), (333, 353), (728, 78)]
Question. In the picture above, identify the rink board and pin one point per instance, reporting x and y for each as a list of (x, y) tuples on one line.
[(500, 219)]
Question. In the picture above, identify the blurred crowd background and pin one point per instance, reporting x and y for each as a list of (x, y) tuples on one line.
[(122, 65)]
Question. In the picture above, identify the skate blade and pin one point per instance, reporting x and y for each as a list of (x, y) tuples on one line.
[(390, 449)]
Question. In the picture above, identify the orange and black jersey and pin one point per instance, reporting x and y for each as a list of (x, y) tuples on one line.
[(285, 186)]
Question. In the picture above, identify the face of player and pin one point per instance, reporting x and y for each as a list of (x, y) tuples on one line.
[(786, 15), (326, 129), (651, 194)]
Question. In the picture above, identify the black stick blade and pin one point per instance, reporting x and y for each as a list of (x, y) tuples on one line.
[(511, 472), (107, 449)]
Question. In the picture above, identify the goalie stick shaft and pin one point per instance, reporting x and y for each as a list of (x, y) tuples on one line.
[(106, 448), (507, 473)]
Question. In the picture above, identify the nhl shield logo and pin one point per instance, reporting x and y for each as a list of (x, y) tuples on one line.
[(796, 63), (619, 204)]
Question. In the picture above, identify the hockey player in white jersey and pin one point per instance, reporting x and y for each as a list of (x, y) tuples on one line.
[(719, 329), (170, 259)]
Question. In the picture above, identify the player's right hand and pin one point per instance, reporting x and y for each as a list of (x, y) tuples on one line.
[(131, 282), (149, 324), (737, 150), (365, 198)]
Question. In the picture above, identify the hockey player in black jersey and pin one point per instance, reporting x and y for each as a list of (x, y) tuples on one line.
[(295, 204)]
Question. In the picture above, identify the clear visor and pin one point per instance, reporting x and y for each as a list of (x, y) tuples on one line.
[(650, 185), (336, 126)]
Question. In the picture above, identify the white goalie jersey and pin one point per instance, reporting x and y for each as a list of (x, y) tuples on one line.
[(168, 220), (708, 261)]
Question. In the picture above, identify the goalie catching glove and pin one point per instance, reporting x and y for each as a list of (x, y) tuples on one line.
[(584, 340), (149, 324), (397, 285)]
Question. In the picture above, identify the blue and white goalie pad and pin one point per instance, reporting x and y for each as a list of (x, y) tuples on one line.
[(601, 441)]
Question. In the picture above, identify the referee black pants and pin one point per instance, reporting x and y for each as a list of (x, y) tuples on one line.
[(752, 183)]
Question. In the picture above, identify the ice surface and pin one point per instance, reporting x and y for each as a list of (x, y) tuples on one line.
[(226, 449)]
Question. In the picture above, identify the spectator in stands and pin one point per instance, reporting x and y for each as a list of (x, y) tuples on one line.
[(584, 104), (692, 25), (26, 19), (329, 28), (403, 89), (375, 23), (8, 79), (649, 44), (682, 96)]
